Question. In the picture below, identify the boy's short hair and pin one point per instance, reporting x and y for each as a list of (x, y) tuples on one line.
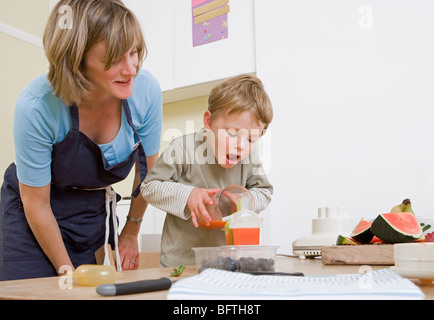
[(91, 21), (241, 93)]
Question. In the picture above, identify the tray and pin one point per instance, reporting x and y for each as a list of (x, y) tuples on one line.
[(370, 254)]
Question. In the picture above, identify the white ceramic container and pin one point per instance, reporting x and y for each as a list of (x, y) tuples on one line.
[(415, 260)]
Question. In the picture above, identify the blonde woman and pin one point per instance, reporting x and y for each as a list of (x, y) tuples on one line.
[(77, 130)]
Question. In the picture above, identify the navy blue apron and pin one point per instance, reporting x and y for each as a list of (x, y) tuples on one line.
[(80, 177)]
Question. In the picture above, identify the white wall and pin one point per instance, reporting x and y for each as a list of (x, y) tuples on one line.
[(20, 61), (352, 84), (167, 26)]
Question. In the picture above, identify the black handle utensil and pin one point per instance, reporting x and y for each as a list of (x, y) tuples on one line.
[(134, 287)]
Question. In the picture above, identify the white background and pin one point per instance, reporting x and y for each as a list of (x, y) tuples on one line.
[(352, 84)]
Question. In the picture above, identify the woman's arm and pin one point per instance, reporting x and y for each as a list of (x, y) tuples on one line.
[(128, 242), (39, 215)]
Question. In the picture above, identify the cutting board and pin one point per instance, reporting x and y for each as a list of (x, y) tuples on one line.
[(381, 254)]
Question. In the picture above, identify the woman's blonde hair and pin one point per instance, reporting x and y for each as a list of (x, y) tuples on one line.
[(67, 42), (241, 93)]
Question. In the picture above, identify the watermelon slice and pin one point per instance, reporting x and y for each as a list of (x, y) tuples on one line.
[(342, 240), (429, 237), (376, 240), (362, 232), (397, 227)]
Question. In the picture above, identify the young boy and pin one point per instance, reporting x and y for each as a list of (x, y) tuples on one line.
[(197, 165)]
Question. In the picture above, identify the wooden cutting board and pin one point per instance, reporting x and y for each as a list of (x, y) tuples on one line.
[(381, 254)]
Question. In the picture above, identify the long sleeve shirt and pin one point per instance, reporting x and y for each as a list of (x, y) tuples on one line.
[(188, 163)]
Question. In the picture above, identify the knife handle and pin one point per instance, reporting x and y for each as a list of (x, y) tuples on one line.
[(134, 287)]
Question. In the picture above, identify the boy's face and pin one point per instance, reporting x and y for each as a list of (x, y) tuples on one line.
[(233, 137)]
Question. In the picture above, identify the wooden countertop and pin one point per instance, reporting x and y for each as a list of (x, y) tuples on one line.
[(49, 288)]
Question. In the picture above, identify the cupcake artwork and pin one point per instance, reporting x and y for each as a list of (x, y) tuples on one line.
[(210, 21)]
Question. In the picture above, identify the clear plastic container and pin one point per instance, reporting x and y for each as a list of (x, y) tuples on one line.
[(225, 203), (243, 228), (236, 258)]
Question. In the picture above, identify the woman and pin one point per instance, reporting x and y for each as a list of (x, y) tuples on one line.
[(77, 130)]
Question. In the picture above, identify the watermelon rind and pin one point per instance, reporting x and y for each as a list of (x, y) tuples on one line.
[(386, 231), (342, 240), (365, 235)]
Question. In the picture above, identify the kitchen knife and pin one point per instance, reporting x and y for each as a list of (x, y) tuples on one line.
[(134, 287), (274, 273), (144, 286)]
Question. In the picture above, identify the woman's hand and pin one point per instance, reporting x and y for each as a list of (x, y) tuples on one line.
[(128, 243), (196, 203), (39, 215), (128, 251)]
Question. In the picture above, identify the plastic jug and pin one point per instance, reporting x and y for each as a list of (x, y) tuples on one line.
[(93, 275), (225, 204), (243, 227)]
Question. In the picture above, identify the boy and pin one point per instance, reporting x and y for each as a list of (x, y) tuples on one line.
[(197, 165)]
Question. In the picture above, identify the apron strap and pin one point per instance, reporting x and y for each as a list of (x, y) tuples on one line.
[(143, 166), (110, 196), (73, 111)]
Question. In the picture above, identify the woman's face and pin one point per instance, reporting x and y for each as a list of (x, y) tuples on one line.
[(116, 82)]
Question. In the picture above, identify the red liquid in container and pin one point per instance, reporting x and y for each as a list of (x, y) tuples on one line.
[(214, 224), (242, 236)]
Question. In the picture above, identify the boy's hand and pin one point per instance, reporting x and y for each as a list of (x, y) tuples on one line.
[(196, 203)]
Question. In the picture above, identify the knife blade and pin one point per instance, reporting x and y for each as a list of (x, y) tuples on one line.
[(274, 273)]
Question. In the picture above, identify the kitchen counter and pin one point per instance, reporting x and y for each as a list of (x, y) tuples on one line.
[(49, 288)]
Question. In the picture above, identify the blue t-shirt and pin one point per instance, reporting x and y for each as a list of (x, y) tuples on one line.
[(42, 120)]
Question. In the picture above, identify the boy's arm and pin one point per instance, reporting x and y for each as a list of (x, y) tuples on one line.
[(168, 196), (262, 198), (161, 188), (258, 184)]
